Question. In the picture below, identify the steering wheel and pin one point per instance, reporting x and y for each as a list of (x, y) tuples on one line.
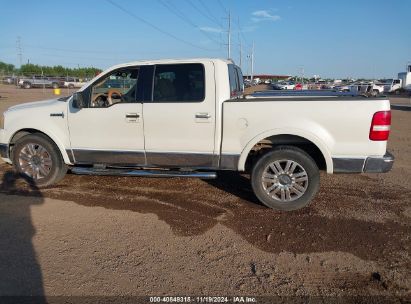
[(110, 94)]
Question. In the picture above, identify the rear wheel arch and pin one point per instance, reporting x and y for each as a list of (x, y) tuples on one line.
[(267, 141), (23, 132)]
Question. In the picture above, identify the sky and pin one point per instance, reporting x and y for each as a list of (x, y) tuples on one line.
[(336, 39)]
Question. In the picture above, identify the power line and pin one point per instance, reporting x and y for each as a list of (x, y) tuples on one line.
[(183, 17), (86, 51), (203, 14), (156, 27), (209, 12), (222, 6)]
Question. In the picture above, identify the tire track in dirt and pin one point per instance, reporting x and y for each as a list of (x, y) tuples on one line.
[(191, 207)]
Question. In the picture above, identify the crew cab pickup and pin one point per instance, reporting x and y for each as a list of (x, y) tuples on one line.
[(38, 82), (189, 118)]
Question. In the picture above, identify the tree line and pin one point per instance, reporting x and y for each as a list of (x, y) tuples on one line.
[(35, 69)]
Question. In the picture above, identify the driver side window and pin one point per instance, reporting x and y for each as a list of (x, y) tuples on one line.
[(118, 86)]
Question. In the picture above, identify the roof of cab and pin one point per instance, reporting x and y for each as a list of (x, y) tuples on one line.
[(166, 61)]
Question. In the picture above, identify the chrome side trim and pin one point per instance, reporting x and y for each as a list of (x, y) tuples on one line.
[(109, 157), (229, 161), (148, 159), (143, 173), (177, 159)]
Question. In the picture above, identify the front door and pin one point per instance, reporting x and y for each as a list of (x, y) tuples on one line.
[(179, 122), (109, 129)]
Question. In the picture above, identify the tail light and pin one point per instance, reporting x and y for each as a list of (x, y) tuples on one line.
[(380, 126)]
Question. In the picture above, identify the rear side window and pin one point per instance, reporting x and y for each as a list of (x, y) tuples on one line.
[(236, 81), (179, 83)]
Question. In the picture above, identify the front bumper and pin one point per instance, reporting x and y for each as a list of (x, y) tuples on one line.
[(4, 151), (4, 148), (364, 165)]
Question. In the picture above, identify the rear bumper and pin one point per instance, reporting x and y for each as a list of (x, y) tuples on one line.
[(364, 165), (379, 164)]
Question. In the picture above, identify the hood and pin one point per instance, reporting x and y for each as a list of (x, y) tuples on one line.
[(35, 104)]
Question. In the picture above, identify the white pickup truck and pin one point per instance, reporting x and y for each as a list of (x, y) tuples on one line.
[(188, 118)]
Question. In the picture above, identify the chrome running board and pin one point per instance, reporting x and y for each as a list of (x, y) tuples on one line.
[(142, 172)]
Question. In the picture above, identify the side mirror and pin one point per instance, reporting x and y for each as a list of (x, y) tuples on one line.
[(78, 101)]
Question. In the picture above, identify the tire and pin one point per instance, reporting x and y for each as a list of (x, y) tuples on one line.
[(375, 93), (27, 85), (38, 160), (302, 181), (71, 86), (55, 85)]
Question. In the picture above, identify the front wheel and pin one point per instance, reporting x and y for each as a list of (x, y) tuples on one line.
[(286, 178), (38, 160)]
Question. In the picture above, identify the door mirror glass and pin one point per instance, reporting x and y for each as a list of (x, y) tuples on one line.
[(78, 100)]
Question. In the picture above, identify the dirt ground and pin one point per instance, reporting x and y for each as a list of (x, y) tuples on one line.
[(105, 236)]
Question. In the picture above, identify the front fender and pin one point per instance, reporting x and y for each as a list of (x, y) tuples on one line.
[(53, 137)]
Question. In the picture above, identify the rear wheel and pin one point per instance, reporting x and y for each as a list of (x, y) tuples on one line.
[(38, 160), (55, 85), (286, 178), (71, 86), (27, 85)]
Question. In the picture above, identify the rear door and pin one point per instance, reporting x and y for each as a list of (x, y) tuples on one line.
[(179, 122)]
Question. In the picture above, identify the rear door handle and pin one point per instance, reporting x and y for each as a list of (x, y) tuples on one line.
[(203, 115)]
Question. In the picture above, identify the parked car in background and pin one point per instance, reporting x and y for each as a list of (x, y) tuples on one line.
[(247, 83), (343, 88), (72, 83), (38, 82), (298, 86), (367, 88), (284, 86), (390, 85), (9, 79)]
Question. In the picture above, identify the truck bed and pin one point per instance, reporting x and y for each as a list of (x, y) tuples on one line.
[(338, 126)]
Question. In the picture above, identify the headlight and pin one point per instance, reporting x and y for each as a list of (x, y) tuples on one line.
[(2, 121)]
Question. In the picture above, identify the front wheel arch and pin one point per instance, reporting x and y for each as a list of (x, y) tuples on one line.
[(22, 132)]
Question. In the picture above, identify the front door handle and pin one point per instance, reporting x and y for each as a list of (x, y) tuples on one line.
[(203, 115), (132, 117)]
